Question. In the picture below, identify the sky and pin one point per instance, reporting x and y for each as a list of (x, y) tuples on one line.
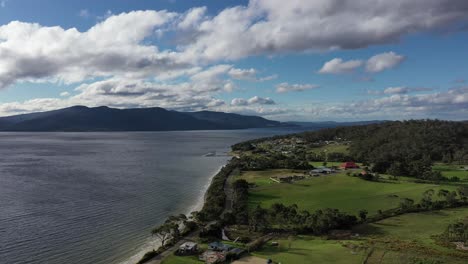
[(295, 60)]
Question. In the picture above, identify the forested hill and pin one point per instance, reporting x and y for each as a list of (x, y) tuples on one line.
[(396, 147), (82, 118), (400, 141)]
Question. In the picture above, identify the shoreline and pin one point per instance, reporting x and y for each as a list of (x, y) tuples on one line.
[(202, 197), (152, 243)]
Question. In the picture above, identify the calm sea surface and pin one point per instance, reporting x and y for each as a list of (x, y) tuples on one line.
[(94, 197)]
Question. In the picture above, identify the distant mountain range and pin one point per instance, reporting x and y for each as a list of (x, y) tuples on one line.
[(82, 118)]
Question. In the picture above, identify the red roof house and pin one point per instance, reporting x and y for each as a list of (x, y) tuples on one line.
[(349, 165)]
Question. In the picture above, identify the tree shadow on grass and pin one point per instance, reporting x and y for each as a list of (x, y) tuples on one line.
[(369, 230)]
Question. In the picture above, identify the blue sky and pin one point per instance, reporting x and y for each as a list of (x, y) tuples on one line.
[(284, 60)]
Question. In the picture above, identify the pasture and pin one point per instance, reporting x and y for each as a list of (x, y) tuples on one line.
[(309, 249), (346, 193)]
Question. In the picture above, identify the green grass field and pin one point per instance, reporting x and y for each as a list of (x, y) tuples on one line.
[(339, 191), (308, 249), (338, 148), (451, 170), (262, 178), (416, 230), (415, 226)]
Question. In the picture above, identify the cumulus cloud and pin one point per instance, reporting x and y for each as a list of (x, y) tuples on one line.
[(64, 94), (252, 101), (239, 102), (113, 47), (192, 18), (122, 63), (396, 90), (384, 61), (277, 26), (374, 64), (286, 87), (261, 100), (116, 45), (452, 104), (243, 74), (337, 65), (249, 75), (404, 90)]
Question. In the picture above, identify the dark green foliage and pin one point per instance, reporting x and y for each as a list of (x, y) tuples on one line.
[(170, 229), (258, 219), (212, 230), (288, 218), (338, 157), (402, 148), (215, 196), (263, 162), (463, 193), (243, 146), (406, 204), (363, 215), (240, 201), (457, 232)]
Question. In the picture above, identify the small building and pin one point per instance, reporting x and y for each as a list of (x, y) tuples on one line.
[(212, 257), (321, 169), (218, 246), (188, 248), (349, 165)]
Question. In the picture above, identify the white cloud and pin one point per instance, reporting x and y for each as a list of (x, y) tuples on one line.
[(239, 102), (261, 100), (243, 74), (33, 52), (286, 87), (252, 101), (64, 94), (396, 90), (337, 65), (117, 45), (277, 26), (374, 64), (123, 52), (404, 90), (192, 18), (384, 61), (249, 75)]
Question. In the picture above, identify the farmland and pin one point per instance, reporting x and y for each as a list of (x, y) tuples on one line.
[(349, 194)]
